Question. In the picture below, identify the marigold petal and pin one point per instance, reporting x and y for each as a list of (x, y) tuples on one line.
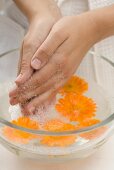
[(57, 125), (18, 135), (75, 85), (78, 107), (94, 133)]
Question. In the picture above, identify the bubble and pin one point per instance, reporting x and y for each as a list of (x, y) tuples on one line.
[(15, 112)]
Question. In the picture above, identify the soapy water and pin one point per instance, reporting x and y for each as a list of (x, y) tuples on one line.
[(15, 112), (41, 115), (47, 112), (79, 145)]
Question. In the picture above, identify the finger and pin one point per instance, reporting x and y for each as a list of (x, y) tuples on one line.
[(51, 83), (55, 82), (20, 60), (47, 49), (39, 78), (45, 105), (13, 101), (31, 43), (44, 98), (57, 63), (34, 82), (37, 102), (25, 70), (13, 90)]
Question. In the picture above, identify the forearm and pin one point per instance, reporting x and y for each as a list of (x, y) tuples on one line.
[(103, 19), (31, 8)]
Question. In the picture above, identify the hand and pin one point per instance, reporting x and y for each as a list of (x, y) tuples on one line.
[(37, 33), (41, 21), (41, 16), (63, 50)]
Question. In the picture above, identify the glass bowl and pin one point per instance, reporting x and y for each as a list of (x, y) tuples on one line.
[(74, 143)]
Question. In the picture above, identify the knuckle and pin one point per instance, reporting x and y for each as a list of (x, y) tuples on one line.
[(38, 79), (59, 32), (63, 60), (24, 65), (32, 86), (60, 62), (36, 82), (65, 74), (55, 87), (57, 35), (23, 98), (44, 51), (29, 43)]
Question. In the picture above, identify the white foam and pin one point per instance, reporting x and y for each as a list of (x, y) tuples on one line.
[(15, 112)]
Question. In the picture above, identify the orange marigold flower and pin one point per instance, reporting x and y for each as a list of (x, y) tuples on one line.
[(76, 107), (75, 85), (56, 125), (26, 122), (18, 135), (89, 122), (94, 133)]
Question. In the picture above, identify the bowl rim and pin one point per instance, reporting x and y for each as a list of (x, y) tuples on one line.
[(62, 133), (106, 121)]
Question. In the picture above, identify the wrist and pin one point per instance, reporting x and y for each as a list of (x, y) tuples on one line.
[(45, 8), (89, 28), (43, 15), (103, 22)]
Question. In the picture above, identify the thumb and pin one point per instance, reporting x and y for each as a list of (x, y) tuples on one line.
[(24, 69), (45, 52), (39, 59)]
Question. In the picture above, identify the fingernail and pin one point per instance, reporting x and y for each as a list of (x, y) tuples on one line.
[(13, 101), (31, 110), (36, 64), (13, 91), (18, 78)]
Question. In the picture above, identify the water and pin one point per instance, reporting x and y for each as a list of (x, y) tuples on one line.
[(42, 115)]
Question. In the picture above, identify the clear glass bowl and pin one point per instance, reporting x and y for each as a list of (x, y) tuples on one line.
[(86, 140)]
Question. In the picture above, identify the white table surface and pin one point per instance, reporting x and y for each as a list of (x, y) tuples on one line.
[(103, 159)]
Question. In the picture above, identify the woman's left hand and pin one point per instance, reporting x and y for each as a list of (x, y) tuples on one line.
[(65, 47)]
